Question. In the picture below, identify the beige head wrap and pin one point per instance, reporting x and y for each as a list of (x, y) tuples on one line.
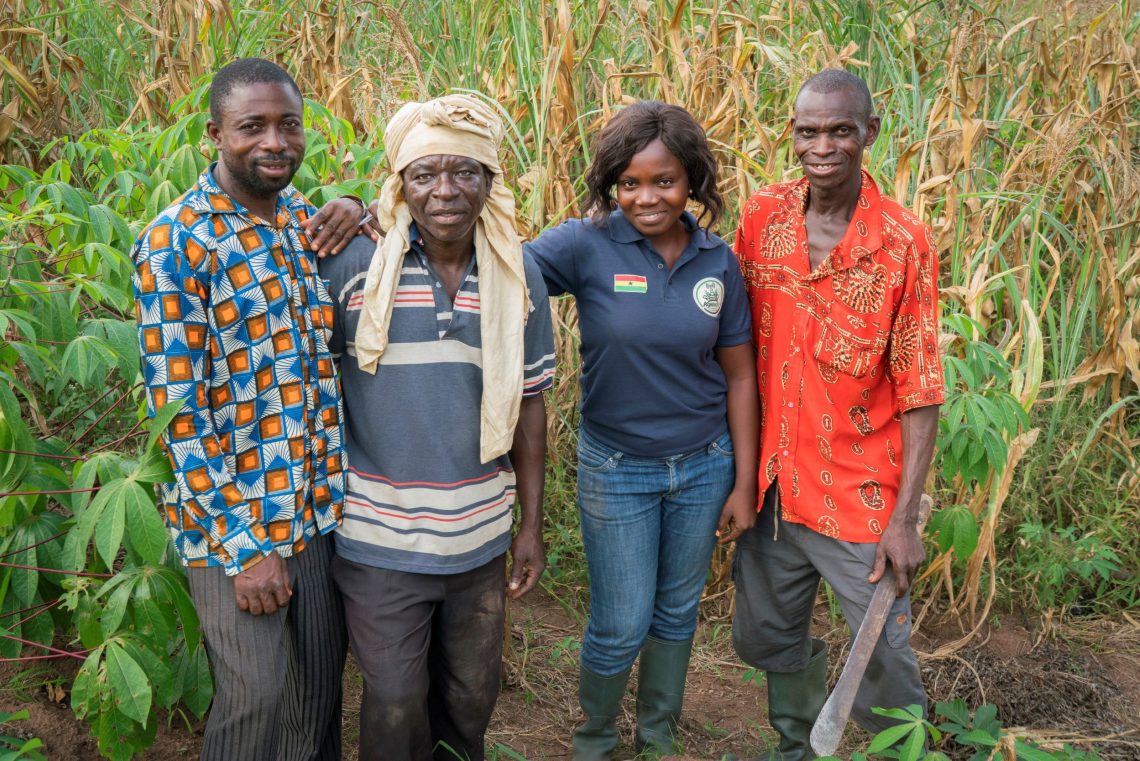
[(457, 125)]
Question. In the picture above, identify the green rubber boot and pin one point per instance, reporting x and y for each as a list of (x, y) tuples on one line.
[(660, 692), (794, 702), (600, 699)]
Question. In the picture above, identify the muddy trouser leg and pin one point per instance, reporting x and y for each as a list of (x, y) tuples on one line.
[(892, 679), (258, 661), (389, 616), (466, 656)]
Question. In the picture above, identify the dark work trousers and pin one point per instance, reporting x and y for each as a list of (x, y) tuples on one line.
[(777, 568), (429, 647), (277, 677)]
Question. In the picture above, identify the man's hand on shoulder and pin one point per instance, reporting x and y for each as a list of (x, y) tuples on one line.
[(528, 561), (263, 587), (902, 546), (338, 222)]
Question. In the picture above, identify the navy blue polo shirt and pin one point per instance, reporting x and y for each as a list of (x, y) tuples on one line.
[(651, 385)]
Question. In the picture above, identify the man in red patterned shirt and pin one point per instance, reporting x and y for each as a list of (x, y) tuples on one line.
[(843, 290)]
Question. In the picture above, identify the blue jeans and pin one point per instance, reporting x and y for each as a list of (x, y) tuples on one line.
[(649, 527)]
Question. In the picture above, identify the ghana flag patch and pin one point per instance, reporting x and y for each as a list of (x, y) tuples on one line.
[(630, 284)]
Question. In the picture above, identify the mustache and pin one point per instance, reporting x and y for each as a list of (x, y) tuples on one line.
[(275, 157)]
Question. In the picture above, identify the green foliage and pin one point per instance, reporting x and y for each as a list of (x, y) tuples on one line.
[(980, 414), (1071, 542), (979, 419), (955, 527), (976, 737), (753, 675), (15, 748), (1063, 566), (982, 733), (565, 651)]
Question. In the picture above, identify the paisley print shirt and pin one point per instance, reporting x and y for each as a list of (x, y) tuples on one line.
[(842, 352)]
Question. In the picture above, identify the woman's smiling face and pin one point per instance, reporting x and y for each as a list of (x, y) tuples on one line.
[(653, 190)]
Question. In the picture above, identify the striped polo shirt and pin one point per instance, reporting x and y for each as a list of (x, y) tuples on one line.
[(418, 498)]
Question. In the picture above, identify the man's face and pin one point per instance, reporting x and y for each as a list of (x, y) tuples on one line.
[(445, 195), (261, 138), (829, 133)]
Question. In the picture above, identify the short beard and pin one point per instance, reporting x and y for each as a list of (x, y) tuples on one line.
[(252, 184)]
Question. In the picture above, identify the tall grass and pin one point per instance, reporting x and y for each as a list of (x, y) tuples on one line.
[(1009, 127)]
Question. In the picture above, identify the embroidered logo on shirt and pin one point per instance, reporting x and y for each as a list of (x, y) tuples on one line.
[(630, 284), (709, 295)]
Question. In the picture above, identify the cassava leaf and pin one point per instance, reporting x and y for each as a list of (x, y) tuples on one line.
[(128, 683)]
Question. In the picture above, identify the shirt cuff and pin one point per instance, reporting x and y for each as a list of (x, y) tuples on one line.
[(538, 384), (923, 397), (245, 548), (733, 339)]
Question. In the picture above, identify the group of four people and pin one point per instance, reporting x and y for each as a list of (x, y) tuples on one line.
[(394, 393)]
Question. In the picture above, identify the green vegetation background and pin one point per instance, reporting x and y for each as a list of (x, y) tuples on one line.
[(1009, 127)]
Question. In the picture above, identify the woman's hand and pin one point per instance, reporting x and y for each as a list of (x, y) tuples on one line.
[(737, 516)]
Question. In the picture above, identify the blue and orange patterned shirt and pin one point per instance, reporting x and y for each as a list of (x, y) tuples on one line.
[(234, 319)]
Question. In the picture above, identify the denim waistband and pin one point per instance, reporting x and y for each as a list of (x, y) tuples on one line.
[(722, 440)]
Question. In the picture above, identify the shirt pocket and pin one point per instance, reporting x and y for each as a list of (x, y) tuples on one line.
[(847, 342)]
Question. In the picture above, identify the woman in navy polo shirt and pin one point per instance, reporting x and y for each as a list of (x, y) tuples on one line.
[(668, 441)]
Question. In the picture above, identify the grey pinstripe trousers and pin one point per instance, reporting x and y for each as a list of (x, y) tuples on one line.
[(277, 678)]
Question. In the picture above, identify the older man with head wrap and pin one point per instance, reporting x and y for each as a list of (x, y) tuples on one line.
[(446, 347)]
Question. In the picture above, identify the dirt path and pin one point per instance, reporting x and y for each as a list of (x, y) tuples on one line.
[(1085, 685)]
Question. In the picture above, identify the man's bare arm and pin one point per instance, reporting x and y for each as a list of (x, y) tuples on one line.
[(528, 456), (900, 542)]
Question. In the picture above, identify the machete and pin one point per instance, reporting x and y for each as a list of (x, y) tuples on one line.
[(828, 728)]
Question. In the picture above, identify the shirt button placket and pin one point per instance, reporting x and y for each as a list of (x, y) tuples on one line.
[(791, 396)]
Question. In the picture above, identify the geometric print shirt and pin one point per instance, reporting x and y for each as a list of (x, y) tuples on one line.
[(842, 352), (233, 319), (420, 499)]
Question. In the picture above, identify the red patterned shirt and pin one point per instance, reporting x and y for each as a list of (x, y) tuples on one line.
[(841, 353)]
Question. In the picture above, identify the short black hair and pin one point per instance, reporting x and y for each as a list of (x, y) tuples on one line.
[(636, 126), (834, 80), (245, 71)]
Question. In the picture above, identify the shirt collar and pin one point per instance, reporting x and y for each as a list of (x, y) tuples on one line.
[(416, 244), (415, 240), (622, 230), (864, 234), (209, 198)]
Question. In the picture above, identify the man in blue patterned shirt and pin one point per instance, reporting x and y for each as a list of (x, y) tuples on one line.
[(234, 321)]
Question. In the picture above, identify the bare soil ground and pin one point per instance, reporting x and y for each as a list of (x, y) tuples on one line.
[(1081, 684)]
